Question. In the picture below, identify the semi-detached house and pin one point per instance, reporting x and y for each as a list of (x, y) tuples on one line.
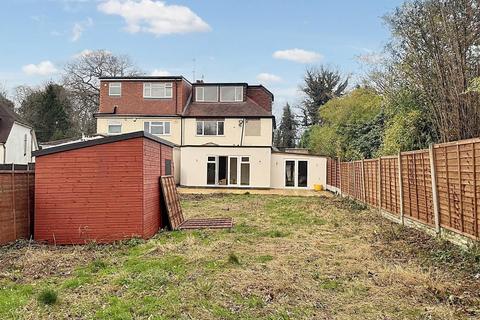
[(223, 131)]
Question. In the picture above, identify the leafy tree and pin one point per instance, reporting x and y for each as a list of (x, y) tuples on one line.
[(287, 130), (81, 79), (49, 111), (435, 51), (320, 85), (5, 101), (352, 127)]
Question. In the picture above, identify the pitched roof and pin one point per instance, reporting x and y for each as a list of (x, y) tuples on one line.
[(7, 118), (247, 108)]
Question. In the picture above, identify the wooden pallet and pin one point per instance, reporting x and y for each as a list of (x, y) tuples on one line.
[(175, 213)]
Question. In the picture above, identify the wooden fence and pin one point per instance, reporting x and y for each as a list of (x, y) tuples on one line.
[(438, 187), (16, 202)]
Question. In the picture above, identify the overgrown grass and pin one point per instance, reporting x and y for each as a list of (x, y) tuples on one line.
[(285, 258)]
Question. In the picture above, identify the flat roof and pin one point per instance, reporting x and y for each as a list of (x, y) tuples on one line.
[(95, 142), (141, 78)]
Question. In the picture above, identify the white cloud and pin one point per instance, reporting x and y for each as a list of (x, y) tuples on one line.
[(154, 16), (79, 27), (44, 68), (160, 73), (298, 55), (268, 78)]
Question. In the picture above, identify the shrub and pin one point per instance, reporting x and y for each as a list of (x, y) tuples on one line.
[(48, 297)]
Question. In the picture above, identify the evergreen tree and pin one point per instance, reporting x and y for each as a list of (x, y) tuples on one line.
[(49, 111), (287, 130)]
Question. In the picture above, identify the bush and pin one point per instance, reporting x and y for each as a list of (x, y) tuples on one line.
[(48, 297)]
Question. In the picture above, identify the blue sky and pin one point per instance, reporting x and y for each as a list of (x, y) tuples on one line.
[(268, 42)]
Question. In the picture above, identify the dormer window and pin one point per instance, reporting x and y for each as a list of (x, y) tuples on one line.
[(206, 94), (231, 94), (157, 90)]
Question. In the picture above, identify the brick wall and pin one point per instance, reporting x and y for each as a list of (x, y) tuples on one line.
[(131, 100)]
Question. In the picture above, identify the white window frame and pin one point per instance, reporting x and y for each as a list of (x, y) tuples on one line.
[(203, 128), (159, 124), (117, 85), (148, 86), (114, 124), (234, 96), (201, 97)]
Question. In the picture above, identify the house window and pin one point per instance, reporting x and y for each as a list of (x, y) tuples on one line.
[(114, 128), (25, 140), (231, 94), (160, 90), (115, 89), (253, 127), (168, 167), (157, 127), (206, 94), (296, 173), (210, 127)]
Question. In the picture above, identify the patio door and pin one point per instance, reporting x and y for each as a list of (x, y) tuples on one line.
[(296, 173), (228, 170)]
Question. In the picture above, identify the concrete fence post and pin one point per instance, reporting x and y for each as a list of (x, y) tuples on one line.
[(400, 187), (433, 176)]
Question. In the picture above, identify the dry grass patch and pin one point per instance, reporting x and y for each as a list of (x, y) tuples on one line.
[(286, 258)]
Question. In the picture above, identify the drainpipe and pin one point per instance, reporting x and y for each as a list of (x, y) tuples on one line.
[(243, 128), (4, 153)]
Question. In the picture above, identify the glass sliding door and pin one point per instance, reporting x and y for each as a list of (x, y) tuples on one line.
[(302, 174), (212, 170), (245, 171), (290, 173), (296, 173), (233, 176)]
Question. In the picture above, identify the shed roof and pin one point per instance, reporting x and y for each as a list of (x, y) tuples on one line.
[(95, 142)]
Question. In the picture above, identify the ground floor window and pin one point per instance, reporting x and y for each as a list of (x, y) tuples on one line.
[(296, 173), (228, 170)]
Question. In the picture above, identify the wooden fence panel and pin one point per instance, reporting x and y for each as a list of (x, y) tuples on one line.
[(371, 182), (417, 186), (457, 184), (333, 172), (345, 177), (16, 204), (390, 195)]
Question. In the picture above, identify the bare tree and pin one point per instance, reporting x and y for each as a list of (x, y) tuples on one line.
[(81, 78), (436, 49), (320, 84)]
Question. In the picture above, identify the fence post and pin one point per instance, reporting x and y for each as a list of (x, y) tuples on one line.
[(433, 176), (13, 204), (379, 183), (364, 193), (400, 186)]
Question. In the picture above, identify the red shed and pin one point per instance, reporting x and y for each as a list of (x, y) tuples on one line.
[(100, 190)]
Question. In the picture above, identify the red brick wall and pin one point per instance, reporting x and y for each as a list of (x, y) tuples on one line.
[(132, 102), (260, 96), (151, 191), (93, 193)]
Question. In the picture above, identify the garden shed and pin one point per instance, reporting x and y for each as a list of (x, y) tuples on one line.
[(101, 190)]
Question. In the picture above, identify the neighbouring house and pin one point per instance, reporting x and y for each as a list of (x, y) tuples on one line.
[(223, 132), (100, 190), (17, 138)]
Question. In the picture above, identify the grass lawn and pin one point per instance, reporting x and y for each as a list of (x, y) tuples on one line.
[(286, 258)]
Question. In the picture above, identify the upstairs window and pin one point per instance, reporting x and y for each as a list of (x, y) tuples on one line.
[(206, 94), (114, 128), (159, 90), (210, 127), (115, 89), (231, 94), (157, 127)]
